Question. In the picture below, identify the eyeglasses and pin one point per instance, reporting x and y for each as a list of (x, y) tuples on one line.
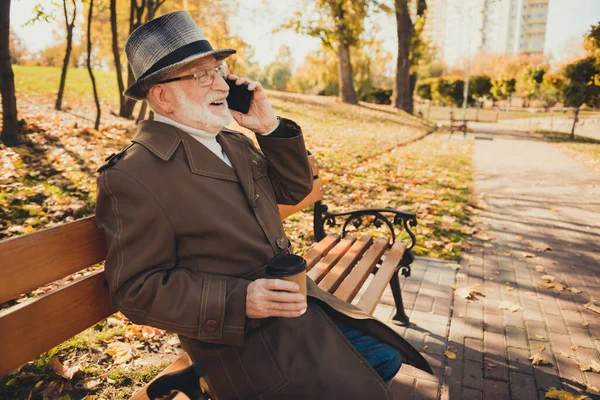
[(203, 77)]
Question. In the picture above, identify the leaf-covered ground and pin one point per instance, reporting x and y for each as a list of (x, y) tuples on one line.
[(364, 162)]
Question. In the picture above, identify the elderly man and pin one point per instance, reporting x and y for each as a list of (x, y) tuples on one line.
[(190, 215)]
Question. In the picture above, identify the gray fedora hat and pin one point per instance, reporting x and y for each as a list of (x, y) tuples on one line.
[(163, 45)]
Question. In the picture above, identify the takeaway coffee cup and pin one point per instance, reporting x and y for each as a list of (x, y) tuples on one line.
[(289, 267)]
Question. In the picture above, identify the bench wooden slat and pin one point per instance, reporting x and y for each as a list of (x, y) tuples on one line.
[(34, 260), (31, 328), (319, 250), (337, 274), (373, 294), (351, 285), (182, 362), (314, 166), (318, 271), (314, 196)]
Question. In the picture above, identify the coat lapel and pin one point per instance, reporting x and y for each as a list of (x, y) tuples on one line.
[(240, 158)]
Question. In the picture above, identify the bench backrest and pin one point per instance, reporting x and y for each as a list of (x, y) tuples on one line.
[(40, 258)]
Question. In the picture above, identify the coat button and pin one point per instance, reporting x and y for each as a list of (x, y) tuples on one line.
[(282, 243), (210, 326)]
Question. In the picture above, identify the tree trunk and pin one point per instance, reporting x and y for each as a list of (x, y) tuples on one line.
[(345, 74), (142, 114), (135, 20), (7, 80), (89, 65), (63, 75), (575, 119), (117, 57), (402, 95)]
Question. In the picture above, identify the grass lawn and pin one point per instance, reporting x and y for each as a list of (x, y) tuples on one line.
[(364, 162), (582, 148)]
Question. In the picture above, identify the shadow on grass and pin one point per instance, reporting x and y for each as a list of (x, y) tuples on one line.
[(561, 137)]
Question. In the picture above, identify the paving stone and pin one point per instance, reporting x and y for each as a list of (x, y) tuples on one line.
[(518, 360), (471, 394), (425, 390), (473, 375), (516, 337), (495, 390), (522, 387), (473, 349)]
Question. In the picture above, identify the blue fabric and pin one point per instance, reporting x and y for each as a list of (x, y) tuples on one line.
[(383, 358)]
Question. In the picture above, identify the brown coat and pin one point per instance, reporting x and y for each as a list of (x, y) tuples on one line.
[(186, 234)]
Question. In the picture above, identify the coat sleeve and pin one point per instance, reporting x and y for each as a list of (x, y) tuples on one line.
[(145, 281), (289, 168)]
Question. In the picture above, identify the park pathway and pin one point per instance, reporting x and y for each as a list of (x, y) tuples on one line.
[(538, 255)]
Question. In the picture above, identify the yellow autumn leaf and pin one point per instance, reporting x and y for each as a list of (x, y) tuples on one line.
[(539, 268), (541, 346), (539, 337), (585, 324), (554, 393), (575, 290), (584, 367), (121, 352), (595, 366), (537, 359), (574, 347), (450, 354), (548, 278)]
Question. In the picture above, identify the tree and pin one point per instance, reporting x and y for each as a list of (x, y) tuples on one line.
[(412, 48), (479, 86), (89, 64), (117, 58), (449, 90), (339, 25), (550, 90), (529, 83), (7, 80), (581, 86), (279, 72), (69, 24), (424, 89)]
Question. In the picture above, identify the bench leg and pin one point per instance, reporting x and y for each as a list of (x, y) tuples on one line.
[(400, 314)]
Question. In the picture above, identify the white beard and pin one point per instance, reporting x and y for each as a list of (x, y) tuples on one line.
[(201, 114)]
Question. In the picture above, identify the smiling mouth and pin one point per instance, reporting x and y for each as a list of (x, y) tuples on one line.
[(217, 103)]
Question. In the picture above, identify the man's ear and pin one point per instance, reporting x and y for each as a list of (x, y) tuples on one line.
[(162, 97)]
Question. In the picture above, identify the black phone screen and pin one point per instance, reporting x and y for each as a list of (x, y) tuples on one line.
[(239, 97)]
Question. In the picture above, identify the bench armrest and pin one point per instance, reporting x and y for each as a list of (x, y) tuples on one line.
[(380, 216)]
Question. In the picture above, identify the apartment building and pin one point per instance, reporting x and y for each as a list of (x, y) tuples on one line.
[(493, 26)]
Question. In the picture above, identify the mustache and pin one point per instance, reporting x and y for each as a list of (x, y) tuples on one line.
[(211, 97)]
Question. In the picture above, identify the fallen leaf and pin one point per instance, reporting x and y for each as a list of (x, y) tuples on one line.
[(174, 341), (451, 355), (515, 308), (548, 278), (593, 307), (584, 324), (595, 365), (562, 353), (121, 352), (89, 383), (425, 347), (539, 337), (537, 359), (539, 268), (554, 393), (63, 371), (540, 346), (592, 390), (575, 290), (574, 347), (584, 367), (52, 391), (469, 294)]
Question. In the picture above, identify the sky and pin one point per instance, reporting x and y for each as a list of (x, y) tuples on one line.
[(255, 21)]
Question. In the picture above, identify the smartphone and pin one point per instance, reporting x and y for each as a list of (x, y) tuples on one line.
[(239, 97)]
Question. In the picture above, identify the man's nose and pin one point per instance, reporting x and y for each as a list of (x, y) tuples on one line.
[(220, 84)]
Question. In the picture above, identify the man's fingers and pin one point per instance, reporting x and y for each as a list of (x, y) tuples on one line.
[(280, 284), (275, 307), (285, 297)]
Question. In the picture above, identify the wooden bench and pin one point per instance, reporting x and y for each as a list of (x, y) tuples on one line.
[(339, 263), (457, 124)]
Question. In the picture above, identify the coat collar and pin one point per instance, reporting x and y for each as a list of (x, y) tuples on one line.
[(163, 140)]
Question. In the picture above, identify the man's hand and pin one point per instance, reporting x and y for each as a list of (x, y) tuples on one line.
[(260, 118), (274, 298)]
